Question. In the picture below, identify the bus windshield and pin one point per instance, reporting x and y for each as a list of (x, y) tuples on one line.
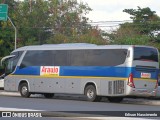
[(11, 63), (145, 54)]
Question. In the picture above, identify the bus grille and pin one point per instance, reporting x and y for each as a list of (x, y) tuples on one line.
[(110, 87), (116, 87)]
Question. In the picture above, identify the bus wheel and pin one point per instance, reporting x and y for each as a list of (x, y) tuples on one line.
[(24, 90), (115, 99), (90, 93), (48, 95)]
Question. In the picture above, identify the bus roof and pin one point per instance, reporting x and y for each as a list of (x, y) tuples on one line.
[(70, 46)]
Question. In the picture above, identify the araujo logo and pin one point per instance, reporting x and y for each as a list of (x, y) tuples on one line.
[(49, 70), (145, 75)]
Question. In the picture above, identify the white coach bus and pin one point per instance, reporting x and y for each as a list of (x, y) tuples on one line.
[(114, 71)]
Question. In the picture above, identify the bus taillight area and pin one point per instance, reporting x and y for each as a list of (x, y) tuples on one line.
[(130, 81), (141, 87)]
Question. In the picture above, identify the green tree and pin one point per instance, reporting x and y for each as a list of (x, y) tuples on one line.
[(6, 30), (51, 21), (47, 21), (144, 19), (140, 31), (67, 19), (32, 22)]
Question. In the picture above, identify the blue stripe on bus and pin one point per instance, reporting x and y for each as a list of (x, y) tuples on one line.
[(97, 71), (137, 74), (94, 71), (32, 70)]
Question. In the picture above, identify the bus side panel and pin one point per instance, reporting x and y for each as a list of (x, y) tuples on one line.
[(57, 85), (74, 79), (10, 84), (44, 84), (73, 85)]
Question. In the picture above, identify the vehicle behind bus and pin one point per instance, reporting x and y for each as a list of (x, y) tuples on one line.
[(115, 71), (1, 78), (158, 88)]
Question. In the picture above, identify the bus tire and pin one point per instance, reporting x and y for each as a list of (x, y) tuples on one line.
[(90, 93), (48, 95), (24, 90), (115, 99)]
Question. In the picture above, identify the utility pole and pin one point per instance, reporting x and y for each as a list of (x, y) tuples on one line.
[(15, 42), (4, 16)]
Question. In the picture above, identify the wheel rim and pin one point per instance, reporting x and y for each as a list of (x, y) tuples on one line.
[(90, 93), (24, 90)]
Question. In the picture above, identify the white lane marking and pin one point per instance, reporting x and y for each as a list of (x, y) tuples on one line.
[(16, 109)]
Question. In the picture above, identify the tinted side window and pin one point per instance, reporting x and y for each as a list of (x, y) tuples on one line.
[(37, 58), (143, 53), (98, 57), (78, 57), (107, 57), (45, 58), (60, 58)]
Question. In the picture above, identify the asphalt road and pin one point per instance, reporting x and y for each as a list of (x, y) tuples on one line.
[(75, 105), (61, 104)]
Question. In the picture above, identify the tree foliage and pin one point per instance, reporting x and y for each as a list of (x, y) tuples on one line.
[(52, 21), (6, 31), (141, 30), (144, 19), (47, 21), (64, 21)]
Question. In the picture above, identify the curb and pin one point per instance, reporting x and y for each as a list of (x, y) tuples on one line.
[(9, 93)]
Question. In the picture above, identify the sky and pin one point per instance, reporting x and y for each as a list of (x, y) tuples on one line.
[(112, 10)]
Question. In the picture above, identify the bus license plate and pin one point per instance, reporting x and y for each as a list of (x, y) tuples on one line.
[(145, 75)]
